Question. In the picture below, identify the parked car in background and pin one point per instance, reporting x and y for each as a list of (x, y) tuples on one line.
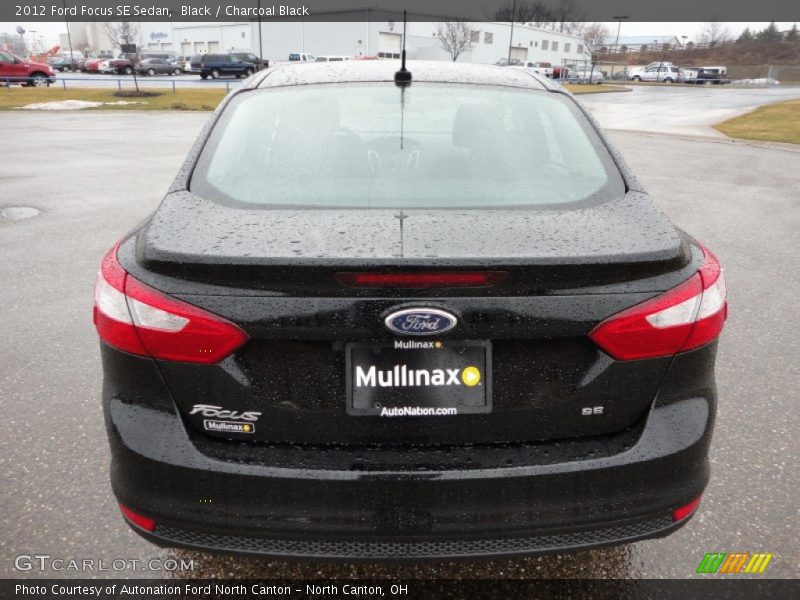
[(118, 66), (260, 63), (542, 68), (92, 64), (560, 72), (221, 65), (157, 66), (712, 75), (508, 62), (618, 73), (185, 63), (145, 54), (658, 73), (14, 69), (332, 58), (301, 57), (64, 63), (688, 74), (634, 69), (584, 74), (97, 57)]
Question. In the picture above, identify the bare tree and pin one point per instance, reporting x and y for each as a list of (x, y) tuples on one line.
[(122, 33), (535, 13), (567, 16), (594, 35), (456, 37), (714, 33)]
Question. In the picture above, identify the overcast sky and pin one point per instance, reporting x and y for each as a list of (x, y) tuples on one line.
[(691, 30), (50, 31)]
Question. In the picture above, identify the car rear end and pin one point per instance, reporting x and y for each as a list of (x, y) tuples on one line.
[(327, 373)]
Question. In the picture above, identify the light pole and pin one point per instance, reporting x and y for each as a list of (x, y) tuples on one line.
[(260, 42), (619, 20), (511, 37), (69, 37), (658, 73)]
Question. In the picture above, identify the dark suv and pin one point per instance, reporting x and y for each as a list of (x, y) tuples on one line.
[(218, 65), (260, 63)]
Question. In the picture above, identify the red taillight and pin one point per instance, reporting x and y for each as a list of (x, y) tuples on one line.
[(685, 317), (134, 317), (419, 280), (679, 514), (145, 523)]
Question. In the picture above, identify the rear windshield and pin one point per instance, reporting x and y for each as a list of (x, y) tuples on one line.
[(371, 145)]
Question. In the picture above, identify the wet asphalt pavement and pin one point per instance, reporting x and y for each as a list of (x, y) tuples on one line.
[(95, 175), (681, 109)]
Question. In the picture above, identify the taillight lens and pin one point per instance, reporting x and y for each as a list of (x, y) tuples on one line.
[(136, 318), (685, 317), (145, 523), (679, 514), (423, 279)]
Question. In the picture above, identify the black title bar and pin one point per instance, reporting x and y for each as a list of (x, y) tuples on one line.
[(382, 10)]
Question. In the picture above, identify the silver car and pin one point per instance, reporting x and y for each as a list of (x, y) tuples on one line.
[(585, 75), (662, 73)]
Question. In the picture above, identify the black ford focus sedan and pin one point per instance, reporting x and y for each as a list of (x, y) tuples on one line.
[(379, 319)]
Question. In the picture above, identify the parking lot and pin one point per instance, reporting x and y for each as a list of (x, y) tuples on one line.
[(95, 175), (681, 110)]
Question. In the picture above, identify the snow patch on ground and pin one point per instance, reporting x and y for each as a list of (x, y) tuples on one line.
[(757, 82), (72, 105)]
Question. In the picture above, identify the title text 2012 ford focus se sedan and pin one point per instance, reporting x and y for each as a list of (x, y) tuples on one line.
[(380, 319)]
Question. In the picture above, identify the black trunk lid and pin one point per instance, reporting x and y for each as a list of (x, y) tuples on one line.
[(273, 273)]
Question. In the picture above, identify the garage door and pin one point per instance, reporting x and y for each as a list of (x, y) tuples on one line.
[(186, 48), (519, 53), (389, 45), (213, 47)]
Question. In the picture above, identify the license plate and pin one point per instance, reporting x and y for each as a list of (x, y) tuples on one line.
[(418, 378)]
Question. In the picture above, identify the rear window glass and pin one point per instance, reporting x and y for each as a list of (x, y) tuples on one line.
[(435, 146)]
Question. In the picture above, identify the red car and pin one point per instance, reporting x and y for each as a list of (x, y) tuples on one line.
[(120, 66), (92, 65), (14, 69)]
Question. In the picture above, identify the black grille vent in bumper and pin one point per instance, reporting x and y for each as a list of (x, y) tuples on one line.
[(415, 549)]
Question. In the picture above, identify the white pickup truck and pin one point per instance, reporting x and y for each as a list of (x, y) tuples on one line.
[(301, 57), (541, 68)]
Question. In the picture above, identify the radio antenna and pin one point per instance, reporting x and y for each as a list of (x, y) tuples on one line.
[(403, 76)]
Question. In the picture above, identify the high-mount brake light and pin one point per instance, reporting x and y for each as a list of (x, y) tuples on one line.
[(138, 319), (421, 280), (688, 316)]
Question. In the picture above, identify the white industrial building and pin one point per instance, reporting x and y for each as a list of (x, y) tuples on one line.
[(279, 38), (90, 36)]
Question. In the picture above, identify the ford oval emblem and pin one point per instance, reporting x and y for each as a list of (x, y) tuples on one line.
[(420, 321)]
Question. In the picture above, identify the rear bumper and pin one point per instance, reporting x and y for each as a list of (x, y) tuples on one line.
[(346, 503), (410, 549)]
